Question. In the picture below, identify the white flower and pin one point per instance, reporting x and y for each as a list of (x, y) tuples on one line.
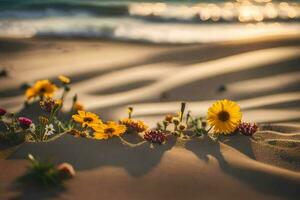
[(7, 120), (49, 130), (32, 128)]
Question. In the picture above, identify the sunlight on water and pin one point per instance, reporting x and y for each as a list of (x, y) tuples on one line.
[(155, 22), (243, 11)]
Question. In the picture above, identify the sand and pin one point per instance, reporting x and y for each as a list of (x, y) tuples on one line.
[(262, 75)]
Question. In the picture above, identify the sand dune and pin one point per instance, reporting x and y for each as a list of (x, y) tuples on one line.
[(266, 83), (261, 75)]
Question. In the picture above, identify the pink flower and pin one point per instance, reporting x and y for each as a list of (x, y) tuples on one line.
[(155, 136), (2, 111), (24, 122), (247, 129), (66, 170)]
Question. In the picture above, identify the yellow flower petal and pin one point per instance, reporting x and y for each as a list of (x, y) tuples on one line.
[(64, 79)]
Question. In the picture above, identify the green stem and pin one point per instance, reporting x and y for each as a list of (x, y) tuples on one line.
[(175, 128), (182, 110), (64, 93), (130, 144), (188, 116)]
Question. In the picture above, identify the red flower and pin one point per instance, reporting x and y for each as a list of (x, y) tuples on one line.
[(24, 122), (247, 129), (155, 136), (2, 111)]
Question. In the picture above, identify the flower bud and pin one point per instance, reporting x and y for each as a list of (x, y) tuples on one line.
[(78, 106), (58, 103), (75, 97), (182, 127), (203, 124), (66, 170), (169, 118), (67, 88), (176, 121), (2, 112), (24, 122), (64, 79), (165, 123)]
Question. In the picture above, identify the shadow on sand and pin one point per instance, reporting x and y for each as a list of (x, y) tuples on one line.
[(86, 154), (261, 181), (32, 191)]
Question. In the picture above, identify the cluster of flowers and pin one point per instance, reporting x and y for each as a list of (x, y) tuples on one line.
[(223, 117), (14, 127), (17, 129), (93, 127)]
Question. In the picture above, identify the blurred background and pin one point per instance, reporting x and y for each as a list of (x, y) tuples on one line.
[(154, 54), (185, 21)]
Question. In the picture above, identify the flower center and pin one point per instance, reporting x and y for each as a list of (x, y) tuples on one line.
[(87, 119), (223, 116), (109, 130), (43, 90)]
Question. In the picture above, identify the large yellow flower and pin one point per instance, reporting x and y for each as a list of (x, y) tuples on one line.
[(108, 130), (87, 119), (43, 88), (224, 116)]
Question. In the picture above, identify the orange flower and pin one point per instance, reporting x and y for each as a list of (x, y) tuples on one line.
[(136, 126), (78, 106)]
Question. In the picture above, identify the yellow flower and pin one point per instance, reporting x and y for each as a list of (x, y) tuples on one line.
[(64, 79), (108, 130), (58, 103), (43, 88), (78, 106), (134, 125), (225, 116), (30, 93), (87, 119)]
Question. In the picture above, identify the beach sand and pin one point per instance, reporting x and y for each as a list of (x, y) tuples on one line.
[(262, 75)]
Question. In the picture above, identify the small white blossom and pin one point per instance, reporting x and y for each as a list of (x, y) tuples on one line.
[(7, 120), (32, 128), (49, 130)]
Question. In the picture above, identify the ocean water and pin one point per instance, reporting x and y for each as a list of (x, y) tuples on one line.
[(153, 21)]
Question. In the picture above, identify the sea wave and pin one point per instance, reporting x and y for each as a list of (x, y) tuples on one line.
[(148, 22), (13, 8), (128, 29), (160, 12)]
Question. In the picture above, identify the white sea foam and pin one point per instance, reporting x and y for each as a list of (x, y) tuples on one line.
[(130, 29), (153, 22)]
